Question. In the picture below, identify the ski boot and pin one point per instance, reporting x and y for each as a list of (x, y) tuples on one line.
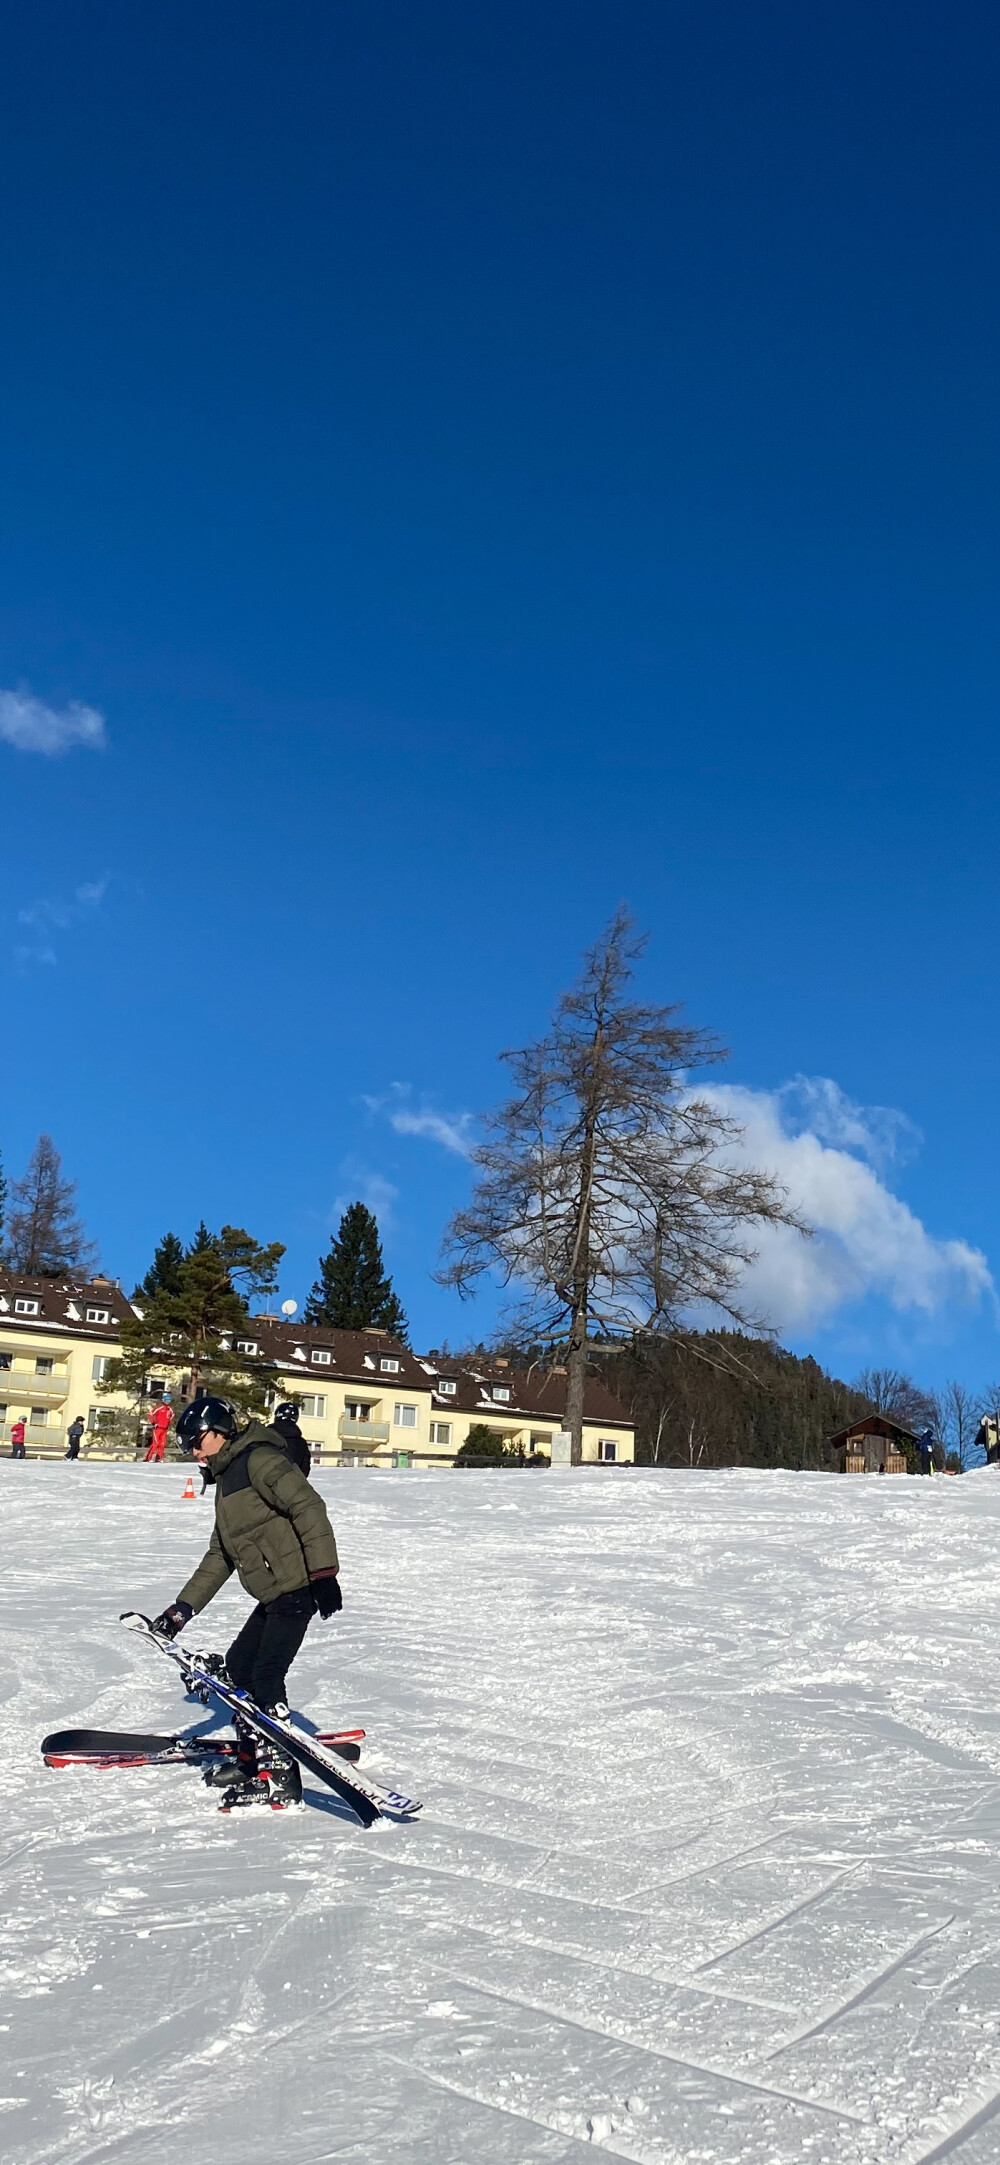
[(261, 1773), (240, 1772), (278, 1769)]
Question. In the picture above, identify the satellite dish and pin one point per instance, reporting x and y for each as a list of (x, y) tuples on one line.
[(288, 1308)]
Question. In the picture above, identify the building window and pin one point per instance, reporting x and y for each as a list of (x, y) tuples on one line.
[(98, 1315), (608, 1451), (43, 1365), (389, 1368), (447, 1390), (312, 1406), (98, 1366), (322, 1360), (247, 1345), (501, 1391), (38, 1417), (27, 1308), (97, 1414), (358, 1409), (154, 1386), (441, 1434), (405, 1416), (4, 1360)]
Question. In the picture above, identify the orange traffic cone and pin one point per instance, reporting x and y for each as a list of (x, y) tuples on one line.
[(188, 1496)]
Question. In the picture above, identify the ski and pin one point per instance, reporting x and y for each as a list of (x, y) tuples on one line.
[(120, 1748), (366, 1798)]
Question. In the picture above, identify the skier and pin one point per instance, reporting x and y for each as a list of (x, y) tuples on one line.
[(285, 1419), (162, 1418), (925, 1445), (74, 1435), (271, 1528), (17, 1449)]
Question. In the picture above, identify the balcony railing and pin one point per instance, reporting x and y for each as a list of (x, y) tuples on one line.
[(20, 1388), (367, 1432)]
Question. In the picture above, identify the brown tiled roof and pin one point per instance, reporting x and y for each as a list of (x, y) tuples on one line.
[(874, 1424), (57, 1299), (356, 1354), (533, 1392)]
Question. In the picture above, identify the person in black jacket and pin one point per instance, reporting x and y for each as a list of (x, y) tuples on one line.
[(285, 1419)]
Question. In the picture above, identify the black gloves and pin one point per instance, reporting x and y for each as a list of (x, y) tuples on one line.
[(173, 1620), (325, 1589)]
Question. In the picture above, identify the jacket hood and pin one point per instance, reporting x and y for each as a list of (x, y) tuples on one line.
[(255, 1432)]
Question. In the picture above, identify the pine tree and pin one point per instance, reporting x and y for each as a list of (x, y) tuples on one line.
[(163, 1275), (45, 1238), (190, 1325), (203, 1239), (352, 1292)]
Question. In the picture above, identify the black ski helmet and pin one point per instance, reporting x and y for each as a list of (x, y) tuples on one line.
[(288, 1410), (203, 1414)]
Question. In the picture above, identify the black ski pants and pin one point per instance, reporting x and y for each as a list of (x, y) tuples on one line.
[(260, 1657)]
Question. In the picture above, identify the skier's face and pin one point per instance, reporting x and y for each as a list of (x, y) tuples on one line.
[(211, 1442)]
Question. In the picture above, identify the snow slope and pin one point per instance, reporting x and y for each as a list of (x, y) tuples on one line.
[(762, 1924)]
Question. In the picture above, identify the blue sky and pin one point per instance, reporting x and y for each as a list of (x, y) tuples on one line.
[(462, 468)]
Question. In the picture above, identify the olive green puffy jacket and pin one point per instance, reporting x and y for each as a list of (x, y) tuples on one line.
[(271, 1526)]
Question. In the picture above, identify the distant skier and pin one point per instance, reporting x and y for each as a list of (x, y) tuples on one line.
[(925, 1445), (162, 1419), (272, 1529), (74, 1435), (988, 1438), (285, 1419), (17, 1449)]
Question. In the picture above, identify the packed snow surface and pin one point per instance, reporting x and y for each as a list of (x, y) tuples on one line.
[(708, 1869)]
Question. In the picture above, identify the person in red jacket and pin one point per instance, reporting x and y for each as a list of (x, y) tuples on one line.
[(158, 1442), (17, 1449)]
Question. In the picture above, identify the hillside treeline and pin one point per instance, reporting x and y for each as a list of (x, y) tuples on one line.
[(718, 1398)]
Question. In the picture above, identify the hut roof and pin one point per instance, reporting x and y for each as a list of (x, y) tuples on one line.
[(874, 1424)]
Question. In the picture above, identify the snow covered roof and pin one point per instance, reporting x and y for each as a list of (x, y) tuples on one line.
[(80, 1307), (536, 1393)]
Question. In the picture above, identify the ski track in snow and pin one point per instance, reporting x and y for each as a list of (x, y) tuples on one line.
[(761, 1924)]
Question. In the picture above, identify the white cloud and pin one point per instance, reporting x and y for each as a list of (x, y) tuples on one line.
[(452, 1130), (453, 1134), (866, 1241), (372, 1189), (815, 1104), (30, 726), (49, 915)]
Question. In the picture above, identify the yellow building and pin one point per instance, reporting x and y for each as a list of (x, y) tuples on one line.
[(56, 1339), (364, 1399)]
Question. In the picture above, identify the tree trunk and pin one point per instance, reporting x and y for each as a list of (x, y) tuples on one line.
[(576, 1357), (576, 1365)]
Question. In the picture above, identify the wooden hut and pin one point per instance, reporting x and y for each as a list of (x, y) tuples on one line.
[(875, 1442)]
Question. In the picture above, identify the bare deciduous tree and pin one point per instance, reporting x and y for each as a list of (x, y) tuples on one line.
[(45, 1238), (607, 1188), (960, 1415), (891, 1392)]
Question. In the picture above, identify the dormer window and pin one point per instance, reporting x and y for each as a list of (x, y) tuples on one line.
[(446, 1388), (501, 1391), (98, 1315), (388, 1368), (322, 1360), (27, 1308), (247, 1345)]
